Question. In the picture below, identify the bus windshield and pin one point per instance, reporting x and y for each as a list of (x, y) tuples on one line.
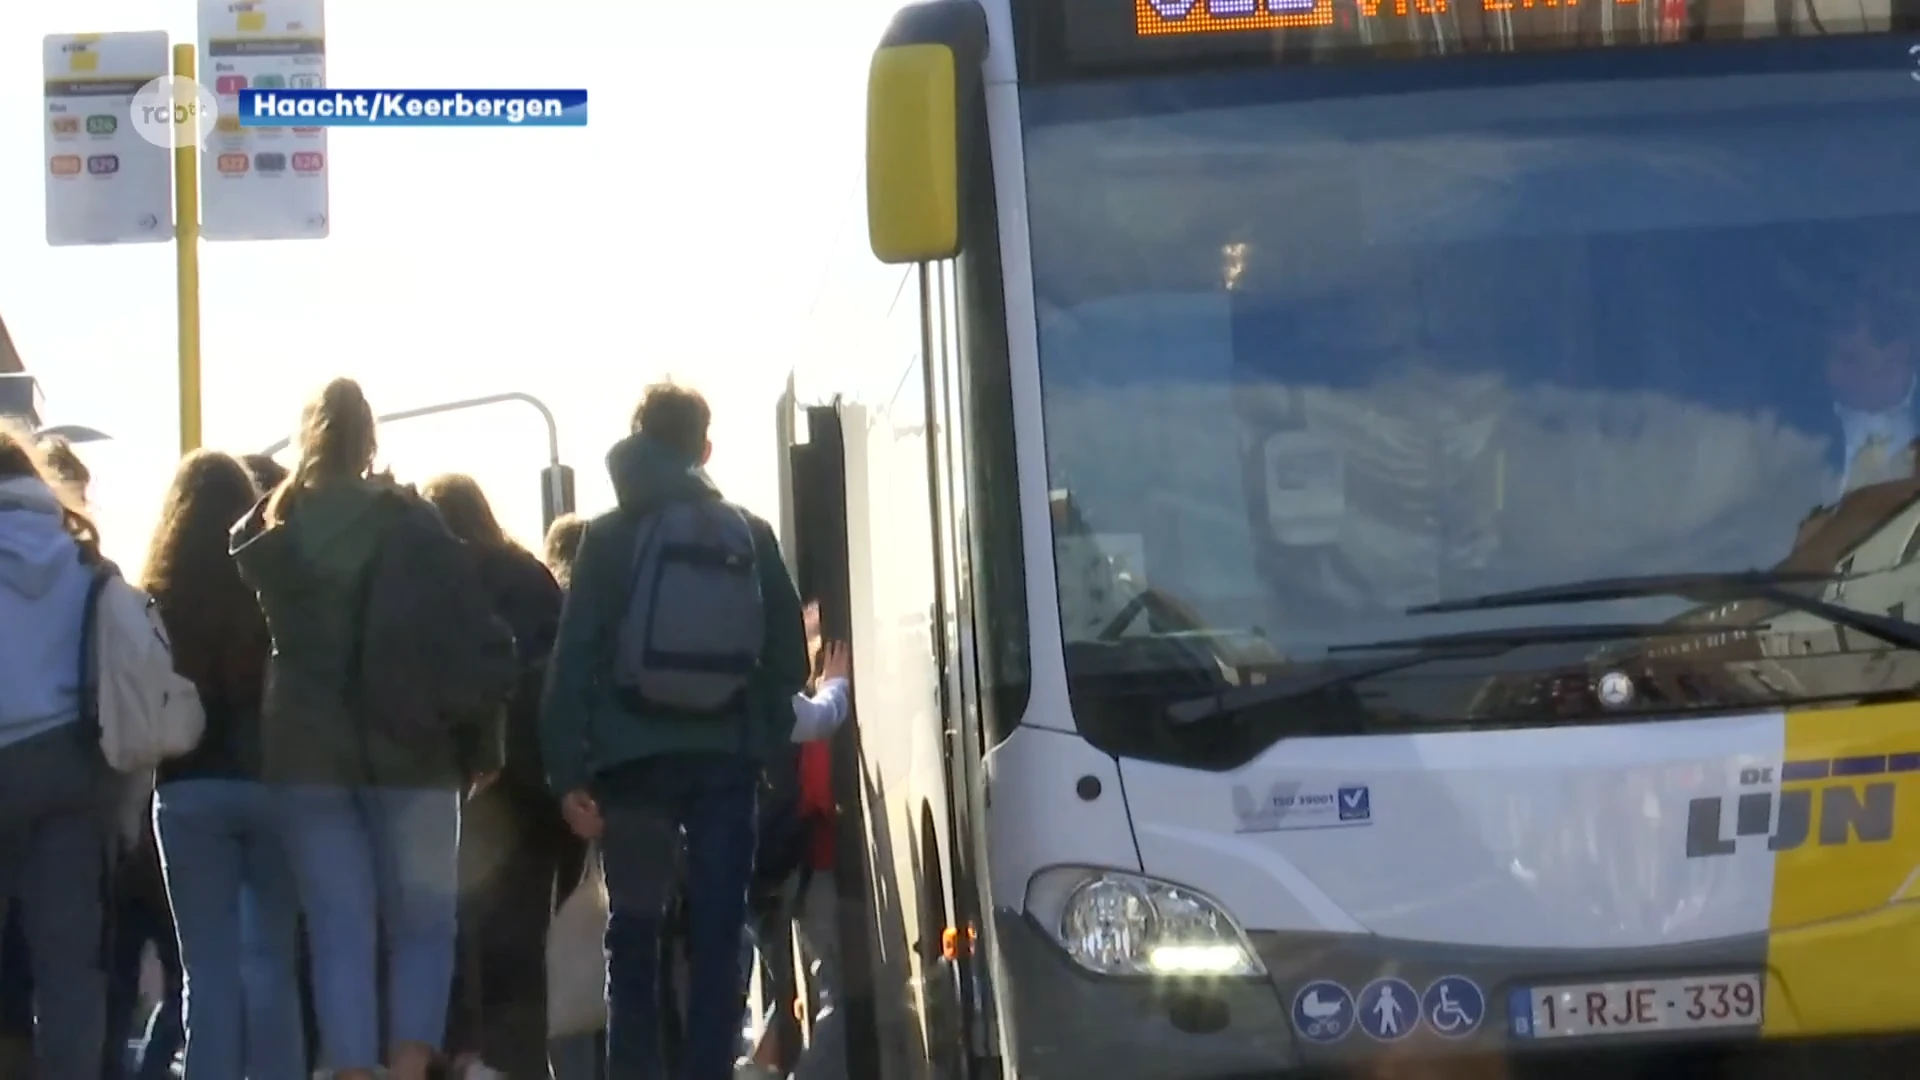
[(1319, 346)]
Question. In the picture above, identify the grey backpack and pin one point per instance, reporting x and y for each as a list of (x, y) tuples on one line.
[(695, 623)]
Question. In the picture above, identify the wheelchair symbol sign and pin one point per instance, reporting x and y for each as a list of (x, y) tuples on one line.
[(1453, 1006)]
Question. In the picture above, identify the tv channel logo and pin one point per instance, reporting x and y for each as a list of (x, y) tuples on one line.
[(171, 111)]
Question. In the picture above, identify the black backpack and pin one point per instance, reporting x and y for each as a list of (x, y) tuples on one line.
[(432, 652), (695, 621), (785, 835)]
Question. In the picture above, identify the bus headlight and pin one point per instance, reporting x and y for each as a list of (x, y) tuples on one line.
[(1114, 923)]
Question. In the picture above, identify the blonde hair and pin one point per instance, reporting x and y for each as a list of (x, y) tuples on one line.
[(337, 441), (563, 546)]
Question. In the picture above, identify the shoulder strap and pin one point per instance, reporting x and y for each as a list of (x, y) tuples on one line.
[(645, 527), (88, 687), (739, 514), (645, 523)]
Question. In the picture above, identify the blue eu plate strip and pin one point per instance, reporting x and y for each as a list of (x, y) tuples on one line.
[(1520, 1012)]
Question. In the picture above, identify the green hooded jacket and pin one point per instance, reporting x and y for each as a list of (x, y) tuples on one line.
[(585, 730), (309, 572)]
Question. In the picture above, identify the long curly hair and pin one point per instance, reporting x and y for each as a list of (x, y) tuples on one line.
[(465, 509), (22, 457), (211, 614)]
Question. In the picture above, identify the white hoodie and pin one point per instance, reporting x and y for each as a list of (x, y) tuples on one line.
[(43, 587)]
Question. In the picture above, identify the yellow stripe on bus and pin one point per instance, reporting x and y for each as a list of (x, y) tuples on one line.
[(1843, 937)]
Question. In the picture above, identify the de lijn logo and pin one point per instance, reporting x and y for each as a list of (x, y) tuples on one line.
[(1853, 808)]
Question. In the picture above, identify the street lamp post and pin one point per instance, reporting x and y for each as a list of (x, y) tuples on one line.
[(557, 493)]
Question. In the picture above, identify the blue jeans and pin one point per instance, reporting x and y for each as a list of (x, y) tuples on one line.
[(237, 913), (646, 807), (369, 860), (56, 821)]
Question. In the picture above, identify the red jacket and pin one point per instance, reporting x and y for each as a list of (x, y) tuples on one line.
[(816, 801)]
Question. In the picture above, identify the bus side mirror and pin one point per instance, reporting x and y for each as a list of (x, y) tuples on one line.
[(913, 154)]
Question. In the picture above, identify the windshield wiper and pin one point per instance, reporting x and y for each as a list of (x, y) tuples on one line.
[(1771, 586), (1465, 645)]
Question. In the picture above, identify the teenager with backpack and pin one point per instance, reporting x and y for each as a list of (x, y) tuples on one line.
[(513, 841), (136, 912), (680, 648), (228, 881), (57, 792), (383, 707)]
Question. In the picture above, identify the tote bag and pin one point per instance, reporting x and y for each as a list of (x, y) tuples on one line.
[(577, 958)]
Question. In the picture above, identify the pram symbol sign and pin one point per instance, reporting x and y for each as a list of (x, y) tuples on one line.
[(1323, 1011)]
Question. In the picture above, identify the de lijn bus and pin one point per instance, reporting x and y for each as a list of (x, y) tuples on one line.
[(1374, 530)]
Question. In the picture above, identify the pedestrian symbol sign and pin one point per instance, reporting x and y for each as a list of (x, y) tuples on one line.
[(1389, 1009)]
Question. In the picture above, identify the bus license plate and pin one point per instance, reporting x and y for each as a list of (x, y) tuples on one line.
[(1645, 1005)]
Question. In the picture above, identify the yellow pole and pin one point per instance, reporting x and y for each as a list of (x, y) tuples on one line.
[(186, 246)]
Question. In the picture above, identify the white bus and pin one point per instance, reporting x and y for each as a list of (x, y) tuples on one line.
[(1333, 503)]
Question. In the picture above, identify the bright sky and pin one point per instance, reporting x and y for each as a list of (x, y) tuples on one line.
[(683, 231)]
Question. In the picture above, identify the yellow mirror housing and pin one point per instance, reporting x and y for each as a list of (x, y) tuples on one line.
[(913, 154)]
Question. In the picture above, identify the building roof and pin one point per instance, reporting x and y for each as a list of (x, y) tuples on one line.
[(1831, 533), (10, 361)]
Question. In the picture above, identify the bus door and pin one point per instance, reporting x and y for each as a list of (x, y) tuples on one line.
[(817, 471)]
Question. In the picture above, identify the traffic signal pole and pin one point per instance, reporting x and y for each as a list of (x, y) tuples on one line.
[(556, 489)]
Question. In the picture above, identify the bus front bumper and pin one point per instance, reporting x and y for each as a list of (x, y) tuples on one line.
[(1069, 1024)]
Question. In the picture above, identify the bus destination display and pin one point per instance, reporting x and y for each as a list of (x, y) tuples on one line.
[(1154, 18), (1073, 39)]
